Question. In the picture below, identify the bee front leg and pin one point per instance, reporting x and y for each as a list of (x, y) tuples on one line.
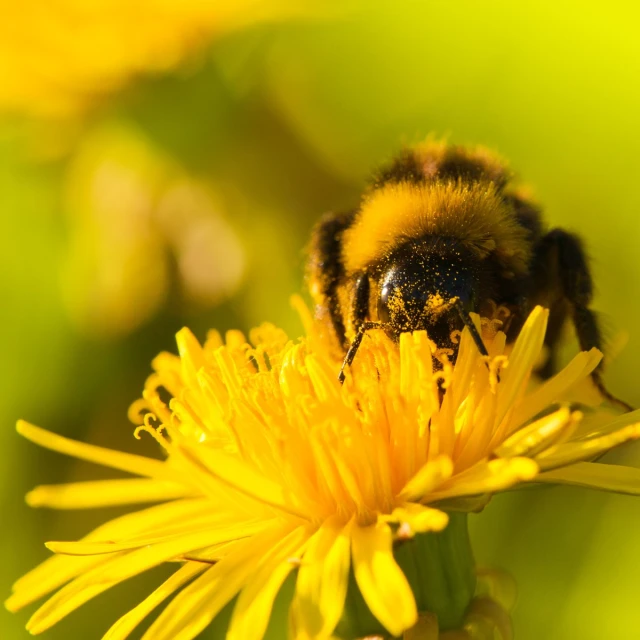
[(359, 313), (355, 345)]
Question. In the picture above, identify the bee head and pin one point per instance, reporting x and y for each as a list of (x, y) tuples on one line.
[(423, 284)]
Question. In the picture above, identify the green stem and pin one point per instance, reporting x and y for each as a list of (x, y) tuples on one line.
[(441, 571)]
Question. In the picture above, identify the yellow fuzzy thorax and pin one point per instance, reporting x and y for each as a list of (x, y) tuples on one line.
[(473, 213)]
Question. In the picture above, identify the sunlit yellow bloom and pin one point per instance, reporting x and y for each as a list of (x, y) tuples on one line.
[(60, 56), (272, 466)]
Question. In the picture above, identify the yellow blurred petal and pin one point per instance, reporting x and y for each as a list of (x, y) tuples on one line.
[(571, 452), (384, 587), (602, 423), (420, 518), (127, 623), (137, 465), (428, 478), (105, 493), (594, 475), (322, 582), (539, 435), (487, 477), (199, 603), (253, 608)]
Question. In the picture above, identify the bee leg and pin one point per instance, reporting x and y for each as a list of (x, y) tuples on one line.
[(472, 328), (477, 338), (576, 285), (360, 302), (587, 329), (558, 314), (359, 313), (353, 349)]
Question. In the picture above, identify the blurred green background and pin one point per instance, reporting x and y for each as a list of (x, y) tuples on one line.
[(185, 195)]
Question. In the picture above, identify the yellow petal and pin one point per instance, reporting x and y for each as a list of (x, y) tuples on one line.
[(105, 493), (119, 567), (571, 452), (52, 573), (322, 582), (153, 551), (137, 465), (430, 476), (204, 527), (488, 477), (466, 364), (253, 608), (539, 435), (70, 597), (191, 356), (420, 518), (238, 475), (325, 383), (594, 475), (384, 587), (201, 601), (556, 387), (602, 423), (57, 570), (521, 361), (127, 623)]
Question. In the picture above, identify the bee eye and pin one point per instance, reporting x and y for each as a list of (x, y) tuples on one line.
[(383, 305)]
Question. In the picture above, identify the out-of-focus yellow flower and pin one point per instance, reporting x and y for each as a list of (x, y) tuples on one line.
[(136, 221), (59, 57), (272, 466)]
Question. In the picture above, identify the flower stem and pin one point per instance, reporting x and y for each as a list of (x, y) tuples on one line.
[(441, 570)]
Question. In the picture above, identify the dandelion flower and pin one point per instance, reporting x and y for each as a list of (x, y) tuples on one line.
[(272, 467)]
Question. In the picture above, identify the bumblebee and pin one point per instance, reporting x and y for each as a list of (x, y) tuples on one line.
[(440, 232)]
